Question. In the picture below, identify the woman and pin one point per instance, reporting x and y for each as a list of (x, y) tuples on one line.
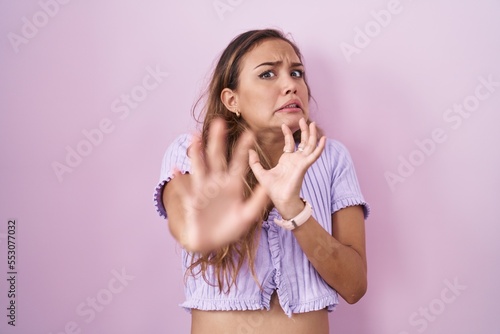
[(269, 213)]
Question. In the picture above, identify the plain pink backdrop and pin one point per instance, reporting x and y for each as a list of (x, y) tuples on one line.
[(436, 226)]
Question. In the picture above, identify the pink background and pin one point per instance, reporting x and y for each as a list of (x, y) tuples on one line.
[(75, 233)]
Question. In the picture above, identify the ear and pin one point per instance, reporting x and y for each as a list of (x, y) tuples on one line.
[(230, 100)]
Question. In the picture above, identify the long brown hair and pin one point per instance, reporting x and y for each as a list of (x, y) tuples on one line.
[(228, 260)]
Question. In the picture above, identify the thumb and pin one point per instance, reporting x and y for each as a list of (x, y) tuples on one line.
[(255, 165)]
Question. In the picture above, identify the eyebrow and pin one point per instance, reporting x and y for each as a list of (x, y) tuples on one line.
[(274, 63)]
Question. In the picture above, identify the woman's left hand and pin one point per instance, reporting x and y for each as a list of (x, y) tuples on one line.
[(283, 182)]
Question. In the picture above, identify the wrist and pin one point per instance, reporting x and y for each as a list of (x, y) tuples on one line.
[(291, 208), (298, 220)]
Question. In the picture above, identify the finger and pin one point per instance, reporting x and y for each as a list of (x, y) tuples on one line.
[(304, 134), (289, 142), (216, 147), (239, 162), (255, 165), (255, 205), (198, 164), (312, 139), (321, 146), (317, 151)]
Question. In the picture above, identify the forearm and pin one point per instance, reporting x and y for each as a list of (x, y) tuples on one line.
[(203, 221), (341, 266), (174, 207)]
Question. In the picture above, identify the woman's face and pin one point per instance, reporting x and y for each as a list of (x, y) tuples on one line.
[(271, 88)]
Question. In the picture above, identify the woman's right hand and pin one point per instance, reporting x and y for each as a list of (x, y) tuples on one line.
[(206, 208)]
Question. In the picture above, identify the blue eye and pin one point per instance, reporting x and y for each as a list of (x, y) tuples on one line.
[(267, 75), (297, 73)]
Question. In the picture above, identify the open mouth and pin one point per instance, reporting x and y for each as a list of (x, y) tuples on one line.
[(291, 105)]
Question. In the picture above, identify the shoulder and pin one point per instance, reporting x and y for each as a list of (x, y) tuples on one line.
[(180, 144), (336, 153), (176, 154), (334, 146), (182, 140)]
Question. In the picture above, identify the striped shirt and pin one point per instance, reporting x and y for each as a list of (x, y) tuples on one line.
[(329, 185)]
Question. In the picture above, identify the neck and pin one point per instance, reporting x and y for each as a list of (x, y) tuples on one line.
[(272, 146)]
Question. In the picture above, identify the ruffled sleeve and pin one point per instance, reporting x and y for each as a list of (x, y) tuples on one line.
[(175, 157), (345, 190)]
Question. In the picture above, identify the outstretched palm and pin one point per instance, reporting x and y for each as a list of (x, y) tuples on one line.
[(283, 182), (216, 212)]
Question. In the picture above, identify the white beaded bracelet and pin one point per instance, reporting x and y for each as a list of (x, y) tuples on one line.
[(298, 220)]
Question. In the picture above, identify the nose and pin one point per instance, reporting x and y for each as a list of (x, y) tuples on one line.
[(289, 85)]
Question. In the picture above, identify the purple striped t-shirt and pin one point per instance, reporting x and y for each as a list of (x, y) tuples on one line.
[(330, 184)]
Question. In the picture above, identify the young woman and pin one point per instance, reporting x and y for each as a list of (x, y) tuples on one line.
[(268, 211)]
